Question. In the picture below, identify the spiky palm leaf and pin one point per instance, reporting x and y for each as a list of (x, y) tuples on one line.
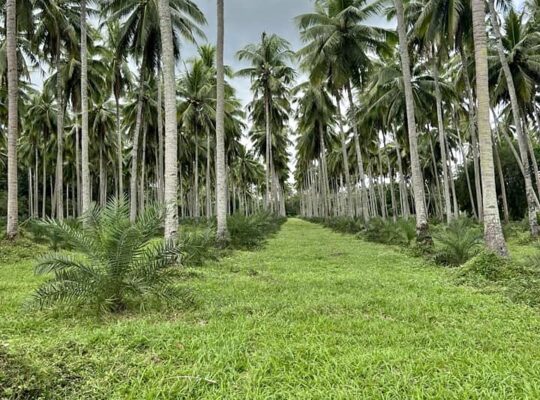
[(120, 263)]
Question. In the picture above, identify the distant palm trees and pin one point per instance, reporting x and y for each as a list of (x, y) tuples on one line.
[(271, 74)]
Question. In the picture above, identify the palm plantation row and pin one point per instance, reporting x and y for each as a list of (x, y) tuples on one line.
[(99, 127), (388, 119), (385, 121)]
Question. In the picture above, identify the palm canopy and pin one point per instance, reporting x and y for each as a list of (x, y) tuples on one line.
[(140, 29), (269, 60), (338, 38), (522, 46)]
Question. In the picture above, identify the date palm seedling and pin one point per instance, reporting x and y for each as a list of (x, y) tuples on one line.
[(115, 263)]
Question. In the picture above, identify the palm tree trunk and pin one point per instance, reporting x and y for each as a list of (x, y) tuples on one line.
[(143, 171), (78, 169), (345, 156), (30, 194), (502, 183), (268, 147), (102, 194), (160, 140), (171, 141), (492, 224), (86, 194), (522, 140), (442, 140), (208, 179), (437, 196), (403, 195), (359, 158), (196, 175), (36, 182), (324, 164), (417, 178), (44, 185), (465, 167), (13, 119), (59, 181), (472, 132), (135, 146), (119, 150), (534, 161), (452, 183)]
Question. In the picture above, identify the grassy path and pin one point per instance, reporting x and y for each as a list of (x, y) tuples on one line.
[(314, 315)]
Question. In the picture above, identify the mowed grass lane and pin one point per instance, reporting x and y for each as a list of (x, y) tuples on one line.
[(313, 315)]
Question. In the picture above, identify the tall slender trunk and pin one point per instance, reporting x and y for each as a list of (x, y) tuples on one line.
[(417, 178), (382, 187), (403, 195), (359, 158), (102, 177), (492, 224), (324, 165), (143, 172), (44, 186), (268, 147), (36, 182), (30, 194), (119, 149), (59, 181), (196, 175), (534, 161), (345, 156), (160, 139), (451, 179), (472, 132), (13, 119), (86, 194), (437, 196), (391, 181), (135, 145), (522, 140), (465, 167), (442, 140), (171, 141), (208, 179), (78, 169), (502, 183)]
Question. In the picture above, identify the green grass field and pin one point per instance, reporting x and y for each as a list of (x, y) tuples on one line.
[(313, 315)]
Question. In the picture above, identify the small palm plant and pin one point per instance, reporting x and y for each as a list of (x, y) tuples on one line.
[(115, 263), (460, 240)]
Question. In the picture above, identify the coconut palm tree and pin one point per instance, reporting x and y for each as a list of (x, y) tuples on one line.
[(315, 115), (270, 75), (13, 120), (171, 149), (85, 168), (221, 195), (417, 176), (513, 26), (338, 39), (492, 224), (141, 29), (120, 80)]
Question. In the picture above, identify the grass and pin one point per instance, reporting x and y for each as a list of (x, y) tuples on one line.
[(313, 315)]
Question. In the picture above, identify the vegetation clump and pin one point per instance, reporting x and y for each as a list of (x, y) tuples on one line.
[(250, 232), (117, 264), (457, 242)]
